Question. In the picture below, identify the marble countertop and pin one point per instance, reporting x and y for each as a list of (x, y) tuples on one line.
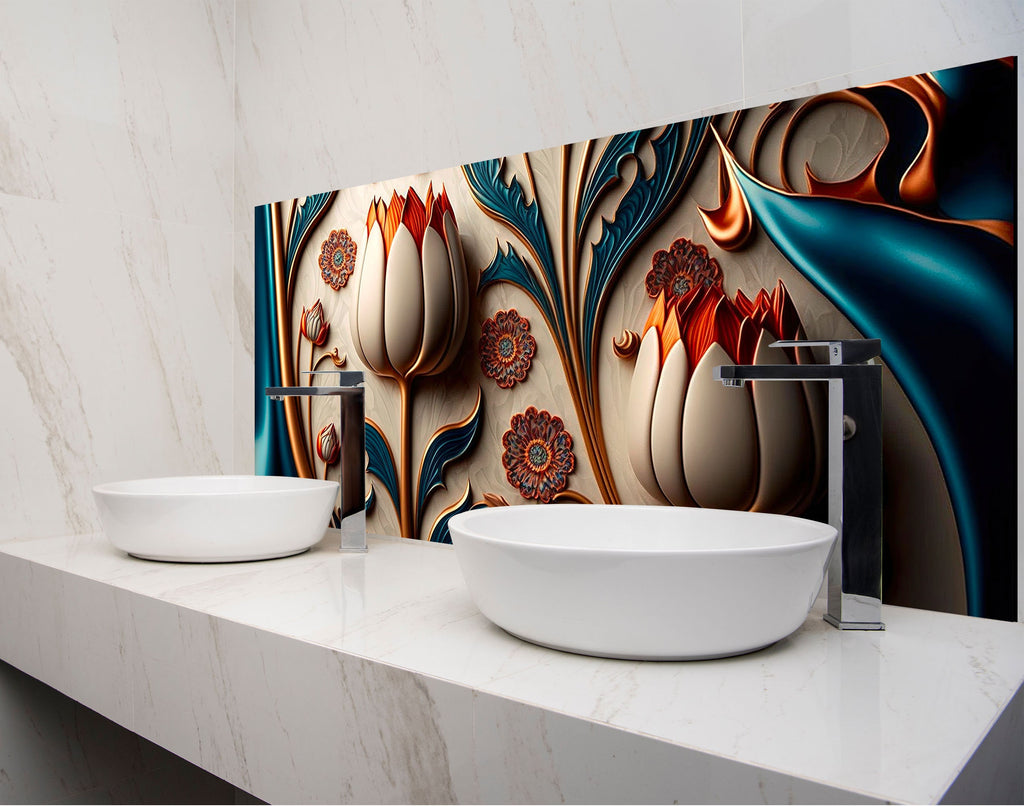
[(334, 677)]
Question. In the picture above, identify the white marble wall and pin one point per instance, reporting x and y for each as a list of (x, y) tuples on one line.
[(332, 95), (115, 246)]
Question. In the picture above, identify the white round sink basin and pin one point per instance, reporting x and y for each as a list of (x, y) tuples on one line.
[(645, 583), (210, 519)]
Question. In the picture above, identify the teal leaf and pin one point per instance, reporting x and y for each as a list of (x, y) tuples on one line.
[(439, 532), (450, 442), (507, 204), (508, 267), (607, 174), (380, 461), (307, 214)]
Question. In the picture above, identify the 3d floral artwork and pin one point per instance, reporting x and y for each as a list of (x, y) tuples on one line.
[(544, 328)]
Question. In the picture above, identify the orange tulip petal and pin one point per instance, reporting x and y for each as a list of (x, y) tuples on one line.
[(436, 219), (428, 200), (745, 306), (671, 333), (689, 300), (727, 322), (392, 220), (414, 216), (786, 318), (371, 215), (746, 341), (443, 203), (699, 324), (656, 318)]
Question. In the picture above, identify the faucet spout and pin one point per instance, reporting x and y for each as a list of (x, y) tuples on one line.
[(854, 469), (352, 487)]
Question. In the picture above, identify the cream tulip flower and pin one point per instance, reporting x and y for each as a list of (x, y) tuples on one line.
[(691, 441), (412, 306)]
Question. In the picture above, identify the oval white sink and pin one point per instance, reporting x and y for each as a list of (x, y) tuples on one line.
[(210, 519), (645, 583)]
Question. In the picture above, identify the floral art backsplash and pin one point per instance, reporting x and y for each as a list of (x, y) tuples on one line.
[(543, 327)]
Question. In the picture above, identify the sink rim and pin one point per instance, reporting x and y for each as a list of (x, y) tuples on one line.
[(826, 532), (137, 487)]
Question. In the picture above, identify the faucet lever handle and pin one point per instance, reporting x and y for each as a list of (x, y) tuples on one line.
[(840, 351), (348, 377)]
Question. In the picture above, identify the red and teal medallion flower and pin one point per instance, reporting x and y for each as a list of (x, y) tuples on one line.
[(337, 258), (684, 266), (506, 348), (538, 455)]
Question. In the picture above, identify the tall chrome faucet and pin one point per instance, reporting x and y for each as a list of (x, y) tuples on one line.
[(352, 492), (854, 469)]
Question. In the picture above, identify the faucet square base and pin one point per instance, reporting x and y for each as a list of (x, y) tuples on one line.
[(854, 625)]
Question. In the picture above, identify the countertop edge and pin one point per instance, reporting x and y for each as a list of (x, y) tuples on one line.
[(464, 736)]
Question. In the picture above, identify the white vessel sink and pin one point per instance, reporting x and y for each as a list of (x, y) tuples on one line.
[(646, 583), (210, 519)]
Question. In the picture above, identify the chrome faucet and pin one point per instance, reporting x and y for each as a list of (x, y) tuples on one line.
[(352, 486), (854, 469)]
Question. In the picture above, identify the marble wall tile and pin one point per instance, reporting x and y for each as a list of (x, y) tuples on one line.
[(811, 46), (243, 346), (115, 241), (327, 94), (115, 346), (121, 106), (880, 31)]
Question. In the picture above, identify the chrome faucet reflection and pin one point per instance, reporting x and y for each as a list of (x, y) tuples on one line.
[(854, 469), (351, 395)]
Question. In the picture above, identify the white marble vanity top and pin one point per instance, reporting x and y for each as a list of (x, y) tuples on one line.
[(373, 678)]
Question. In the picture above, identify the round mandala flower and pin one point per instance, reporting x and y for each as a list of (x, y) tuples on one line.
[(684, 266), (506, 348), (337, 258), (538, 454)]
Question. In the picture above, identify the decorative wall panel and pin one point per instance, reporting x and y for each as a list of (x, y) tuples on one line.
[(542, 327)]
